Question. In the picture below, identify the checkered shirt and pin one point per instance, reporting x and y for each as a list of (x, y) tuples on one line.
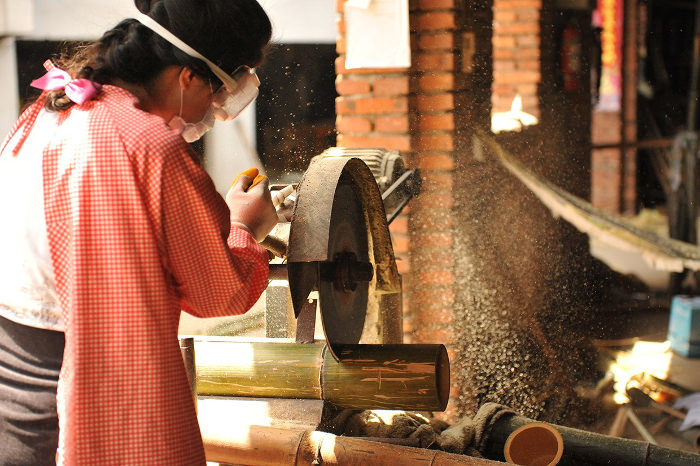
[(137, 232)]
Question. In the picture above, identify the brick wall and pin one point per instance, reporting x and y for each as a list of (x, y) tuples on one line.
[(516, 54), (606, 164), (467, 58), (413, 110), (614, 170)]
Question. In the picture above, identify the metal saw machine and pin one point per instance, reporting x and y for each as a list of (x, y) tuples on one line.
[(332, 268)]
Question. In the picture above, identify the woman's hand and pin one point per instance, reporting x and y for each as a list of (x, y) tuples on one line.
[(251, 206)]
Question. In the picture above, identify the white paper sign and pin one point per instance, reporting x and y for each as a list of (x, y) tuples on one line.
[(378, 34)]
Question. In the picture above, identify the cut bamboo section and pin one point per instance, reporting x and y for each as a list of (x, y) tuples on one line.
[(402, 377), (590, 448), (271, 446)]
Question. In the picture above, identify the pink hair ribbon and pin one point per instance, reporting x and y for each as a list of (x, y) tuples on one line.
[(77, 90)]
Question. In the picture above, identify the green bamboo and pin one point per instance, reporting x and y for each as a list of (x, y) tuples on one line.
[(411, 377), (258, 369), (590, 448)]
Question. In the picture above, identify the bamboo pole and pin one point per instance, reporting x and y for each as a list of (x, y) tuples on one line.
[(410, 377), (583, 447), (272, 446)]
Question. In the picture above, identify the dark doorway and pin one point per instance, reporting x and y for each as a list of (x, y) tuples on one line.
[(296, 108)]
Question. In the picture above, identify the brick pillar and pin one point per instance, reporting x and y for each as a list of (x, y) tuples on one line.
[(372, 111), (516, 54), (430, 317), (414, 110), (614, 176)]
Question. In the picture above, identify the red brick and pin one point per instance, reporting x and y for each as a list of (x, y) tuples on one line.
[(531, 52), (529, 40), (435, 102), (434, 200), (504, 53), (391, 86), (436, 239), (436, 82), (528, 64), (444, 122), (518, 28), (452, 355), (434, 142), (349, 124), (399, 225), (433, 277), (516, 77), (504, 66), (407, 326), (501, 15), (341, 70), (402, 143), (371, 105), (392, 124), (341, 45), (436, 41), (435, 62), (403, 266), (436, 219), (435, 4), (503, 42), (436, 162), (500, 89), (436, 181), (433, 315), (517, 4), (528, 15), (435, 336), (529, 99), (432, 299), (341, 25), (348, 86), (400, 243), (433, 258), (435, 21)]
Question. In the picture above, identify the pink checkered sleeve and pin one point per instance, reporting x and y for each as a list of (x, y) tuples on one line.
[(218, 270)]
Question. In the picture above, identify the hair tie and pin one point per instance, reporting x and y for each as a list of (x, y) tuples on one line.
[(77, 90)]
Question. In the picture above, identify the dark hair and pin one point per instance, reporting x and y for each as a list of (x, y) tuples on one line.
[(230, 33)]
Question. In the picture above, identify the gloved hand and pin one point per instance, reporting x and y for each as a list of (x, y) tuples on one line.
[(250, 204), (284, 200)]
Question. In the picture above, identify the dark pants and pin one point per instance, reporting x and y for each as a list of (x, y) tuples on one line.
[(30, 361)]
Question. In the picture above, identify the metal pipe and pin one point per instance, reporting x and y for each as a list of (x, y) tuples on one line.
[(278, 272)]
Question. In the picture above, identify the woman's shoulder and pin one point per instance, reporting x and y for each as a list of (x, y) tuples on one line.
[(137, 128)]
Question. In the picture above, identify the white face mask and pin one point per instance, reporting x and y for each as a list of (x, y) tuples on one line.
[(238, 91), (191, 132)]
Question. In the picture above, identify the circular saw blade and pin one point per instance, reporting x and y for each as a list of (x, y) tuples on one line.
[(343, 308)]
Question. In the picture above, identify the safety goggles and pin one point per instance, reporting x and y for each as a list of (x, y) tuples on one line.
[(239, 89)]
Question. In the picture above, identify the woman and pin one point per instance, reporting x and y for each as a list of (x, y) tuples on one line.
[(111, 228)]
